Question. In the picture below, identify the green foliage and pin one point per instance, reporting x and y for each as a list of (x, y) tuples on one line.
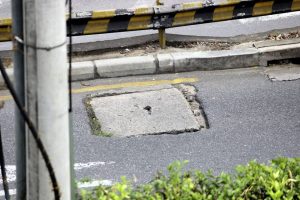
[(85, 180), (278, 180)]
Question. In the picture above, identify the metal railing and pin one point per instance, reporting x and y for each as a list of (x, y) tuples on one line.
[(161, 17)]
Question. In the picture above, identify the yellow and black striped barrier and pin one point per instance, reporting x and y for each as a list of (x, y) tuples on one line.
[(234, 9), (112, 21), (161, 17), (5, 29)]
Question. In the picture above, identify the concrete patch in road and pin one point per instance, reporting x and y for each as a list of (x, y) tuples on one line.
[(287, 73), (144, 112)]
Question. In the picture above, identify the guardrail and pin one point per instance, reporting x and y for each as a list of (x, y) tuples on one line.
[(162, 17), (5, 29)]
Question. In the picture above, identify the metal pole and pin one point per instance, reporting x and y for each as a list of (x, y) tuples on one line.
[(47, 96), (18, 59), (73, 183), (161, 31), (162, 38)]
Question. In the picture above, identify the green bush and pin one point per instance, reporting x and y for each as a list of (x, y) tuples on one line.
[(278, 180)]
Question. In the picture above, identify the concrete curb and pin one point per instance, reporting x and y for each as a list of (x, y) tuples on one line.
[(87, 45), (129, 66), (181, 62), (280, 52)]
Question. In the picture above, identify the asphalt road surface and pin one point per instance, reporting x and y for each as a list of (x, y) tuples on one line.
[(250, 118)]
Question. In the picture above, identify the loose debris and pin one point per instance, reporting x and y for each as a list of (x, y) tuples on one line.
[(209, 45), (284, 36), (190, 94)]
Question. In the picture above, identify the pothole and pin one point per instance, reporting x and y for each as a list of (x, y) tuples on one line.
[(170, 110)]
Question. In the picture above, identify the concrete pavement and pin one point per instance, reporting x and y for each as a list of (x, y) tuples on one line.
[(249, 116), (156, 111)]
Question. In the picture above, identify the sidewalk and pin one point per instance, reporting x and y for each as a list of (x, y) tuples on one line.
[(251, 54)]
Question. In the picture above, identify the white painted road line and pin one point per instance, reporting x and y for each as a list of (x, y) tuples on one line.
[(79, 166), (95, 183), (90, 184), (11, 176), (10, 173), (11, 169), (11, 192)]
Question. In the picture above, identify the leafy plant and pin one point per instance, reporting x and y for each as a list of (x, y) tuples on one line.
[(280, 179)]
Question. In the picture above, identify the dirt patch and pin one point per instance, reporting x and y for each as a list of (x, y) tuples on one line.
[(151, 48), (284, 36), (207, 45)]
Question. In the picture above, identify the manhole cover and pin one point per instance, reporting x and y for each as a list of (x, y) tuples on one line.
[(142, 113)]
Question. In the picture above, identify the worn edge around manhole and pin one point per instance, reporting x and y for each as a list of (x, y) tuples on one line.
[(94, 123), (190, 93)]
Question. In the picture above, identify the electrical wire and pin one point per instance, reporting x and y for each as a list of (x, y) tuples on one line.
[(34, 132), (29, 122), (70, 55), (3, 172), (49, 48)]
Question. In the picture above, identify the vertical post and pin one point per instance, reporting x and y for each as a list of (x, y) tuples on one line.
[(18, 59), (162, 38), (69, 25), (47, 96), (161, 31), (158, 2)]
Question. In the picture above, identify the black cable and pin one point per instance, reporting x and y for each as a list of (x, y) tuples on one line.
[(3, 173), (34, 132), (70, 55), (49, 48)]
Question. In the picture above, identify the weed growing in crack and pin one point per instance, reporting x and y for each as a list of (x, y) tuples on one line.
[(93, 121)]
